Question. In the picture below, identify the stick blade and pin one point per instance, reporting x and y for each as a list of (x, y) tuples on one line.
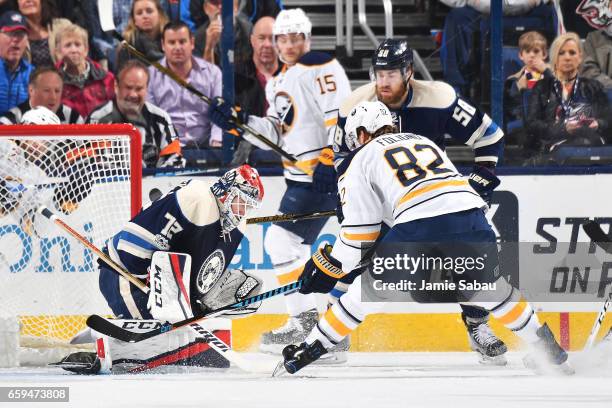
[(594, 231), (105, 11), (102, 325)]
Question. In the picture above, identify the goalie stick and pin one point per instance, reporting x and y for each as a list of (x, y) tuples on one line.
[(213, 341), (597, 235), (104, 326)]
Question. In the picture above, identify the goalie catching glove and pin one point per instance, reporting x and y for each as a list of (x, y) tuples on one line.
[(321, 272), (231, 287)]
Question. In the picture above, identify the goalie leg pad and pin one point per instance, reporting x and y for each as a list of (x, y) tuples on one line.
[(230, 287), (169, 283)]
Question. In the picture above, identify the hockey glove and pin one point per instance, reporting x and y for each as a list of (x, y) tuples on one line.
[(483, 181), (321, 272), (324, 176), (225, 116), (339, 213)]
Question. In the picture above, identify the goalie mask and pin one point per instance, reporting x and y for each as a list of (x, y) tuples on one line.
[(370, 116), (237, 192), (597, 14)]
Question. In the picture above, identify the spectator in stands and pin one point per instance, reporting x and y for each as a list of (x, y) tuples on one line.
[(14, 69), (208, 36), (461, 23), (45, 89), (566, 108), (42, 26), (144, 31), (160, 144), (188, 112), (86, 83), (598, 44), (252, 77), (533, 53)]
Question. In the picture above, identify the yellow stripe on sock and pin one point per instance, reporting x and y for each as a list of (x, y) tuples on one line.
[(514, 313), (289, 277), (340, 328)]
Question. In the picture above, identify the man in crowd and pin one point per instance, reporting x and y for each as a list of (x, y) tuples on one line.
[(160, 145), (188, 112), (14, 69), (45, 89)]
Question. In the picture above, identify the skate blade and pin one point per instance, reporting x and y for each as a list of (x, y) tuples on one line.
[(338, 357), (279, 370)]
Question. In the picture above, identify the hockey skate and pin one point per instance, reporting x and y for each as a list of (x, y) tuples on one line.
[(337, 354), (491, 350), (293, 332), (547, 357), (297, 357), (81, 362)]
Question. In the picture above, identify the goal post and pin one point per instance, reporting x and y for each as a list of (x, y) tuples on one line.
[(91, 176)]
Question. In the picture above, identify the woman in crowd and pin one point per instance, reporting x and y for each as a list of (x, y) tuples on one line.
[(566, 108), (86, 83), (41, 29), (147, 19)]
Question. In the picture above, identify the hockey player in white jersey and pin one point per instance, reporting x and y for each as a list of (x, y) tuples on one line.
[(199, 224), (304, 97), (433, 109), (409, 180)]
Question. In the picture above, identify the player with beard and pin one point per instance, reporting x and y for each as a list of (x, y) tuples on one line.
[(160, 143), (432, 109)]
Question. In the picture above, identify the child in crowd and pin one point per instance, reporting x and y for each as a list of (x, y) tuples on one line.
[(533, 53)]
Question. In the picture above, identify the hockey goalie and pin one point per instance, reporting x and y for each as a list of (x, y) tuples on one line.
[(181, 246)]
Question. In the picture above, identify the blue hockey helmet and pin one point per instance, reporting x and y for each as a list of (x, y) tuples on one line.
[(392, 54)]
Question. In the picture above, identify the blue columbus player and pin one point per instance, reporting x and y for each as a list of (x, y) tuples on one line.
[(181, 245), (433, 109)]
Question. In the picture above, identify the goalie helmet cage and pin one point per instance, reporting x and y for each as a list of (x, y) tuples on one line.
[(91, 176)]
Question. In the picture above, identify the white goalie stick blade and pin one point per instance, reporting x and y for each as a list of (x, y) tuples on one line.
[(251, 366), (105, 11)]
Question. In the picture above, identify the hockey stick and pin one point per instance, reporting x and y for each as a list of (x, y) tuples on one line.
[(594, 231), (105, 10), (106, 327), (290, 217), (53, 217)]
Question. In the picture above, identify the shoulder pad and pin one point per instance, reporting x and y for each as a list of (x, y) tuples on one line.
[(365, 92), (432, 94), (315, 58)]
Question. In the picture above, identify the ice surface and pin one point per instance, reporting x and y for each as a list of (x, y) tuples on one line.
[(369, 380)]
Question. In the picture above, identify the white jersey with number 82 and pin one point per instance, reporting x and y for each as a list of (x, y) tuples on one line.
[(397, 178)]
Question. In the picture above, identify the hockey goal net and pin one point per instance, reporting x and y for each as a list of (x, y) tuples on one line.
[(90, 175)]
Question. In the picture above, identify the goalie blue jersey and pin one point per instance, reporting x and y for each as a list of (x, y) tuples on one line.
[(432, 109), (184, 220)]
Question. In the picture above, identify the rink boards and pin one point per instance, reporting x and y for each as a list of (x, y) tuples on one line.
[(527, 208)]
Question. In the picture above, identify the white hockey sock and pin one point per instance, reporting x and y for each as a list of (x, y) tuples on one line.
[(517, 315)]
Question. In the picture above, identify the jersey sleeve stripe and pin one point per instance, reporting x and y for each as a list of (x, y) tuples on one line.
[(140, 232), (331, 122), (371, 236), (486, 159), (134, 249), (489, 139)]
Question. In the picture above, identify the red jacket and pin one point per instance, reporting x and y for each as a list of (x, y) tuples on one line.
[(98, 89)]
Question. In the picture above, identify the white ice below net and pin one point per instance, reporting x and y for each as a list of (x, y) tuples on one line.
[(369, 380)]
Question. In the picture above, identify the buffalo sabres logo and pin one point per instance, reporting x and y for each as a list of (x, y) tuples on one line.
[(211, 270), (596, 12), (283, 104)]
